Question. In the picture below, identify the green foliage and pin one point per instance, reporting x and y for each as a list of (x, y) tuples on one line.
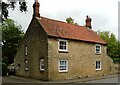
[(113, 45), (4, 69), (116, 60), (12, 4), (11, 37), (71, 21)]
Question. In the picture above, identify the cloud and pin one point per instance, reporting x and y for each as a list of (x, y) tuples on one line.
[(103, 12)]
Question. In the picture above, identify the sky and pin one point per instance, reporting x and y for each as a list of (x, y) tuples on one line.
[(104, 13)]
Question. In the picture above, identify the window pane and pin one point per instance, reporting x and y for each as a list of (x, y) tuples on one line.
[(26, 49), (62, 45), (97, 64), (98, 49), (62, 65), (42, 64)]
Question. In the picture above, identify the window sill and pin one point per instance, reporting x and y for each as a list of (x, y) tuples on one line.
[(41, 70), (98, 69), (63, 51), (98, 53), (63, 71)]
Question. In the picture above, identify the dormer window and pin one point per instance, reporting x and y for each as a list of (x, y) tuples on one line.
[(63, 45)]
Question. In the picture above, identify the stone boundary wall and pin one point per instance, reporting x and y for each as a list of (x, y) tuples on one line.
[(117, 68)]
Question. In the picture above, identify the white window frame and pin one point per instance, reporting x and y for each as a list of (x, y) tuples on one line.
[(96, 48), (42, 62), (66, 70), (26, 65), (26, 50), (96, 65), (63, 50)]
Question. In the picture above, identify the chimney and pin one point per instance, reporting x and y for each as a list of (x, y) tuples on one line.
[(36, 6), (88, 22)]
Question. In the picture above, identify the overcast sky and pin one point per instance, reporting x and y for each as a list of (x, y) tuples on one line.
[(104, 13)]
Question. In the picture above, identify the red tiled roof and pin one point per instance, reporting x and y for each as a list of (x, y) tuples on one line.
[(64, 30)]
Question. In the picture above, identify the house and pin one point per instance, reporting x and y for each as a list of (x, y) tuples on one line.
[(56, 50)]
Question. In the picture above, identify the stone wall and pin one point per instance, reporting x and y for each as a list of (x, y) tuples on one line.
[(81, 57), (36, 42), (81, 60), (117, 68)]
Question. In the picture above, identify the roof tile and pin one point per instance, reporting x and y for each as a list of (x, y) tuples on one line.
[(70, 31)]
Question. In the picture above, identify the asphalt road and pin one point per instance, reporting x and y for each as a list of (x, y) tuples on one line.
[(14, 79), (108, 80), (26, 81)]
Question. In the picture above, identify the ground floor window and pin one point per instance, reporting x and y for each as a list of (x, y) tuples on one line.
[(63, 65), (98, 65), (26, 65), (42, 65)]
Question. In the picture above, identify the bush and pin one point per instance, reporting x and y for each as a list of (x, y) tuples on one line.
[(116, 60), (4, 69)]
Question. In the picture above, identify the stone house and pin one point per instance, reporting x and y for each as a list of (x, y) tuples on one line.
[(56, 50)]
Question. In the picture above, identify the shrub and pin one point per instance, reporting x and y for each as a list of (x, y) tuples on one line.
[(116, 60)]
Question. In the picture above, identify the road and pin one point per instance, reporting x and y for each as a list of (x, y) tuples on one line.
[(13, 79), (108, 80)]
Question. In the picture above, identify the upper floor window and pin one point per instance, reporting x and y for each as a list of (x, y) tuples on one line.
[(26, 50), (63, 45), (98, 49), (42, 65)]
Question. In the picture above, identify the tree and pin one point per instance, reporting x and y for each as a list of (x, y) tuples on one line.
[(118, 52), (12, 4), (11, 37), (112, 43), (71, 21)]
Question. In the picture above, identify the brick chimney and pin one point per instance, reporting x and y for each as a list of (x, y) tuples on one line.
[(36, 6), (88, 22)]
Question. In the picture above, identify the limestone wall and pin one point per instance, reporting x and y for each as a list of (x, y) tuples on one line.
[(81, 60)]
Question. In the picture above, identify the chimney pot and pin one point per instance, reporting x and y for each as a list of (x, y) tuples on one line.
[(88, 22)]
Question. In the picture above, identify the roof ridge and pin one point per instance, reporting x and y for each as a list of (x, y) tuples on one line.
[(62, 22)]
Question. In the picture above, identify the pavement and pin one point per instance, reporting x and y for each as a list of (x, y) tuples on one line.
[(82, 80)]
